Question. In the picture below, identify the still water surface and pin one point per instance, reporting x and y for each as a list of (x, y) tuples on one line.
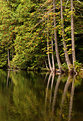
[(28, 96)]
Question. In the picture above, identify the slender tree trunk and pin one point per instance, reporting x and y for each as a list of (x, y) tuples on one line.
[(46, 65), (52, 57), (72, 36), (49, 56), (47, 36), (55, 38), (49, 62), (8, 58), (64, 43)]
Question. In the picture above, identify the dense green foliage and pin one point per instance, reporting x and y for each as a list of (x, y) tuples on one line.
[(23, 32)]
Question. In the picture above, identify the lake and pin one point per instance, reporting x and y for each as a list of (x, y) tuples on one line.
[(32, 96)]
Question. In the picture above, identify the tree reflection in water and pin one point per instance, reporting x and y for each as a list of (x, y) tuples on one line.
[(71, 97), (33, 96), (64, 109)]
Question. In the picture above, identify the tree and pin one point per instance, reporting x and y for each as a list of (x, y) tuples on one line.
[(55, 38), (63, 37), (6, 27), (36, 32), (72, 36)]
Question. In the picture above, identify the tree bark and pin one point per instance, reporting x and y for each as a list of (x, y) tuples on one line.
[(49, 62), (72, 36), (64, 43), (55, 38), (52, 57)]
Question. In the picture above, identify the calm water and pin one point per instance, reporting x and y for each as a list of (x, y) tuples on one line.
[(28, 96)]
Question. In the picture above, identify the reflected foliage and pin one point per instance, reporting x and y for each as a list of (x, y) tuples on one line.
[(28, 96)]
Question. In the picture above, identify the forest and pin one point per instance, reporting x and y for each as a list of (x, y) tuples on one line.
[(41, 35), (41, 60)]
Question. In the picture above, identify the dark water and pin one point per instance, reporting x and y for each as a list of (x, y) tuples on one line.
[(28, 96)]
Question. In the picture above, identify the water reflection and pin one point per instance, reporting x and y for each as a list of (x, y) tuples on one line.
[(65, 92), (71, 98), (55, 92), (32, 96), (61, 99)]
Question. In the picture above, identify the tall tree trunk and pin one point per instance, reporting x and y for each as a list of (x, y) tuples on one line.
[(52, 57), (49, 62), (8, 58), (64, 43), (72, 36), (55, 38)]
